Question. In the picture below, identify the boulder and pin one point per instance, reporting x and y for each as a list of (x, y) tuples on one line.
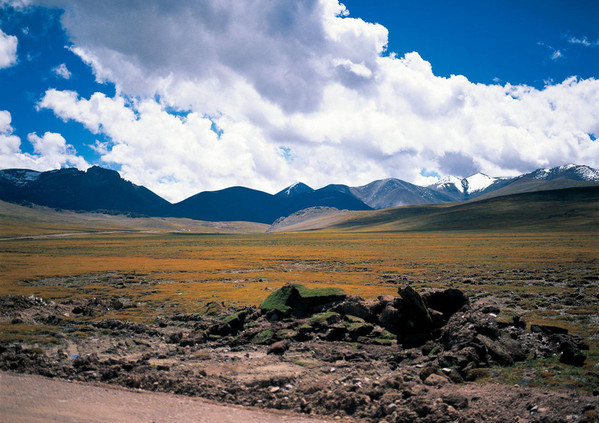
[(390, 318), (436, 380), (354, 306), (299, 301), (417, 317), (570, 354), (447, 302), (495, 350), (279, 348)]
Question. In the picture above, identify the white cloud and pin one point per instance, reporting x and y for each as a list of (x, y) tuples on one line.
[(173, 155), (584, 41), (62, 71), (303, 78), (49, 151), (557, 54), (8, 50)]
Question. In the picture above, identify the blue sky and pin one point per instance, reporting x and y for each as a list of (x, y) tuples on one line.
[(206, 94), (511, 40)]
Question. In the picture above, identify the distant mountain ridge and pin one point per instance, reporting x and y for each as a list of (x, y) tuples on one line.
[(99, 189)]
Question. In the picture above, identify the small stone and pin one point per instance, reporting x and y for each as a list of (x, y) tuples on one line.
[(274, 389), (435, 380)]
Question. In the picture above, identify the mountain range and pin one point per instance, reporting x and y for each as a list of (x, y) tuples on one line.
[(103, 190)]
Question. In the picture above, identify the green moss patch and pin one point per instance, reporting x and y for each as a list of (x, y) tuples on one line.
[(283, 300)]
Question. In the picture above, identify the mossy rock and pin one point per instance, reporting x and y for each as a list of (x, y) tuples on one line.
[(359, 329), (297, 299), (381, 341), (324, 319), (305, 328), (264, 337), (233, 316), (287, 334), (354, 319), (383, 334)]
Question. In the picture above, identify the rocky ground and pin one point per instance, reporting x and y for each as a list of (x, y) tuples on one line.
[(416, 357)]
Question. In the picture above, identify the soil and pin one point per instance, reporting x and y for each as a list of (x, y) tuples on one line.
[(324, 362), (36, 399)]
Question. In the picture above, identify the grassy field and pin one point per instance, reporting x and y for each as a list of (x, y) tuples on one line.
[(193, 268)]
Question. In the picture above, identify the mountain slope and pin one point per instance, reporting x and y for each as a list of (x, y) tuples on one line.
[(395, 192), (94, 189), (568, 171), (483, 186), (571, 208), (239, 203), (293, 190)]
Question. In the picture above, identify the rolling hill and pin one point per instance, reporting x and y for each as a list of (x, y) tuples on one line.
[(565, 209)]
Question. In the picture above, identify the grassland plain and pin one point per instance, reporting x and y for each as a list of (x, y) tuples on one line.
[(547, 278)]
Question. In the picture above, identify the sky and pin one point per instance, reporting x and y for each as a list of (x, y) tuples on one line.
[(189, 96)]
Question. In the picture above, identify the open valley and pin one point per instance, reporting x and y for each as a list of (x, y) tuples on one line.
[(146, 310)]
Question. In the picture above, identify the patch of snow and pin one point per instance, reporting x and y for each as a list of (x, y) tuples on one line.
[(479, 182), (448, 182), (587, 173), (20, 177), (290, 189)]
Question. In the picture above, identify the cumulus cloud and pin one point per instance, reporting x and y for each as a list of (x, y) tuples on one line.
[(62, 71), (173, 155), (299, 91), (50, 151), (8, 50)]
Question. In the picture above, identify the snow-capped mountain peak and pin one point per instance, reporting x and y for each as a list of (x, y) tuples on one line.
[(450, 182), (477, 182), (474, 183), (571, 171)]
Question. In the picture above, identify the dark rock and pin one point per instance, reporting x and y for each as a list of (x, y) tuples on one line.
[(358, 329), (455, 400), (495, 350), (236, 320), (570, 354), (518, 322), (488, 328), (354, 306), (279, 348), (490, 308), (322, 321), (193, 340), (417, 316), (221, 329), (447, 302), (390, 318), (335, 333), (548, 330), (116, 304)]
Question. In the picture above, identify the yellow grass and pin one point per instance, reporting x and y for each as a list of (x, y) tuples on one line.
[(244, 268)]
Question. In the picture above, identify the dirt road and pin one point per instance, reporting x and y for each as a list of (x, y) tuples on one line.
[(33, 399)]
